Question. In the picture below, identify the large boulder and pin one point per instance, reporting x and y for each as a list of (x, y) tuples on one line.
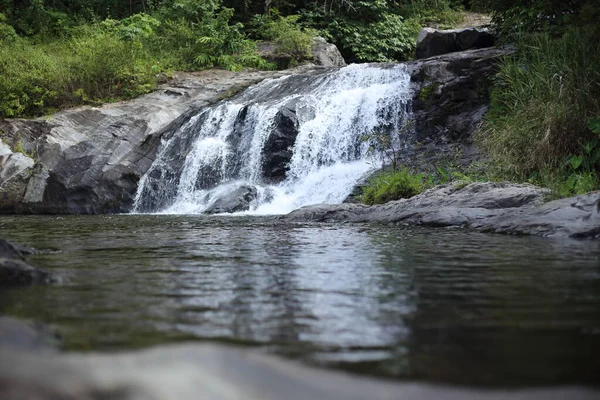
[(233, 200), (323, 53), (432, 42), (326, 54), (15, 271)]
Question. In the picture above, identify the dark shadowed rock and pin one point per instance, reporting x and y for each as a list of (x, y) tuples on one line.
[(432, 42), (278, 149), (233, 200), (14, 271), (452, 95), (209, 372), (490, 207)]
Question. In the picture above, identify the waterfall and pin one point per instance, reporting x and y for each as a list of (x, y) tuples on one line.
[(281, 144)]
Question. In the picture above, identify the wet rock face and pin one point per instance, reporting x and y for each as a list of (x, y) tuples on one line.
[(433, 42), (15, 271), (452, 95), (490, 207), (278, 149)]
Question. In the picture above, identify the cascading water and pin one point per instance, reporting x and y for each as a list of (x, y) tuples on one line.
[(280, 145)]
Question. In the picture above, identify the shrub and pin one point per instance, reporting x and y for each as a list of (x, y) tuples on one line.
[(289, 36), (393, 185)]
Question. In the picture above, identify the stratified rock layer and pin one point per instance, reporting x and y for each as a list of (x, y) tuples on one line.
[(490, 207)]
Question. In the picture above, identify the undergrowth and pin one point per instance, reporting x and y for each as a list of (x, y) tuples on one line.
[(538, 128), (393, 185)]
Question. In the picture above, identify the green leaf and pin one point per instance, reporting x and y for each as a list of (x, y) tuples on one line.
[(594, 124)]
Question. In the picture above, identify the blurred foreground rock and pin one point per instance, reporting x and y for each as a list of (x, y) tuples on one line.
[(209, 372)]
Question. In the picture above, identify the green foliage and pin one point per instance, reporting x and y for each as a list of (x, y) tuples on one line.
[(393, 185), (202, 37), (389, 38), (289, 36), (92, 66), (541, 102), (514, 16)]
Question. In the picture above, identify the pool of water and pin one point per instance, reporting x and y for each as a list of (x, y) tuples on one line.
[(432, 305)]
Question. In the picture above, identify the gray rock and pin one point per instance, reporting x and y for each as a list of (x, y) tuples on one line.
[(432, 42), (209, 372), (322, 53), (326, 54), (14, 271), (490, 207), (234, 200)]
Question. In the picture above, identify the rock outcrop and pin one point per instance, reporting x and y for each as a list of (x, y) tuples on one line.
[(517, 209), (89, 160), (210, 372), (15, 271), (277, 151), (452, 95), (432, 42)]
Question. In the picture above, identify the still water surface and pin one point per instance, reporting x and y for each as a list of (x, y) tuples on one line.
[(420, 304)]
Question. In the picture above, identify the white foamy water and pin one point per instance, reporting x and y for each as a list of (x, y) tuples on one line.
[(224, 147)]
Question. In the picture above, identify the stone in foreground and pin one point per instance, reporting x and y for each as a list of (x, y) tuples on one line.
[(208, 372)]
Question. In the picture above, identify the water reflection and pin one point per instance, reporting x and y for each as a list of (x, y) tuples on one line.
[(436, 305)]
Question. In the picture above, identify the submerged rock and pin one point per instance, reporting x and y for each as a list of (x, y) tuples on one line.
[(26, 335), (236, 200), (209, 372), (14, 271), (489, 207)]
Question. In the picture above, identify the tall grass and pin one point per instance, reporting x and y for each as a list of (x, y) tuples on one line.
[(543, 98)]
